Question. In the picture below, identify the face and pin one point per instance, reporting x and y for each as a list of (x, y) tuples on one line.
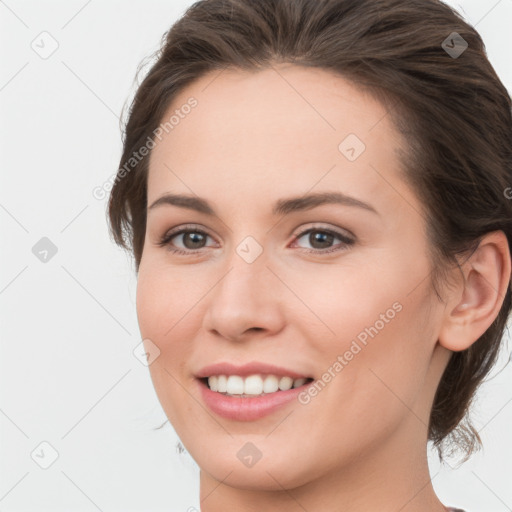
[(282, 290)]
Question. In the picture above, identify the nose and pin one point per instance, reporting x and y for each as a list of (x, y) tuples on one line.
[(246, 301)]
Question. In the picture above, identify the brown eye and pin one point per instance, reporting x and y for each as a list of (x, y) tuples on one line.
[(321, 240), (187, 240), (193, 239)]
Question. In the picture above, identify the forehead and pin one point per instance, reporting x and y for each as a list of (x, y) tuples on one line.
[(272, 130)]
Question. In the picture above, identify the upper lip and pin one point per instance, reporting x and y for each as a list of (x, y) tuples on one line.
[(247, 369)]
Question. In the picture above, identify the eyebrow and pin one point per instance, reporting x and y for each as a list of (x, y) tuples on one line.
[(281, 207)]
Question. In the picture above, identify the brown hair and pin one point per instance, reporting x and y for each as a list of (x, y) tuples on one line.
[(452, 109)]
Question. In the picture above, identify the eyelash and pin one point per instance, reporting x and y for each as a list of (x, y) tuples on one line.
[(346, 241)]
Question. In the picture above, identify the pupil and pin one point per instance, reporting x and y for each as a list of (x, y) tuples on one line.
[(194, 238), (324, 238)]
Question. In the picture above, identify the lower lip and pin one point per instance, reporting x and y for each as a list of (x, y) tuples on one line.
[(248, 409)]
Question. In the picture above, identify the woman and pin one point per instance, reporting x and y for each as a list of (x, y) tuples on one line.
[(314, 192)]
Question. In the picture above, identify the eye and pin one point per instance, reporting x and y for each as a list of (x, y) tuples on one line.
[(322, 238), (193, 239)]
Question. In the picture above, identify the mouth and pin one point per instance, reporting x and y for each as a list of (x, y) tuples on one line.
[(250, 398), (250, 391), (254, 385)]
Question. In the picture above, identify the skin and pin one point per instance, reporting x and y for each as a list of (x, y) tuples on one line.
[(360, 444)]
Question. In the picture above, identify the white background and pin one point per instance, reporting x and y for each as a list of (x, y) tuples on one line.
[(68, 326)]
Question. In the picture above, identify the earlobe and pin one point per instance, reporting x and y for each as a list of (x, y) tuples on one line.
[(474, 305)]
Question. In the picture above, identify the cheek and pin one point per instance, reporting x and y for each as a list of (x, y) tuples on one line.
[(164, 311), (164, 296), (385, 367), (374, 340), (349, 301), (162, 305)]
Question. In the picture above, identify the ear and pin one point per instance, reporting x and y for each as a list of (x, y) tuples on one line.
[(474, 304)]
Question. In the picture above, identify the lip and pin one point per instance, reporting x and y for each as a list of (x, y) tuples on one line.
[(247, 369), (250, 408)]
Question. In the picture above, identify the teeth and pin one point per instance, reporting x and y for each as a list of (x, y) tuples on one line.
[(253, 384), (298, 382), (213, 382), (222, 383), (285, 383), (270, 384), (235, 385)]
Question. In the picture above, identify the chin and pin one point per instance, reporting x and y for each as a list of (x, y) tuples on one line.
[(266, 477), (225, 463)]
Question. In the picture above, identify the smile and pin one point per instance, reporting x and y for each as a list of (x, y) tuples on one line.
[(252, 385), (242, 406)]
